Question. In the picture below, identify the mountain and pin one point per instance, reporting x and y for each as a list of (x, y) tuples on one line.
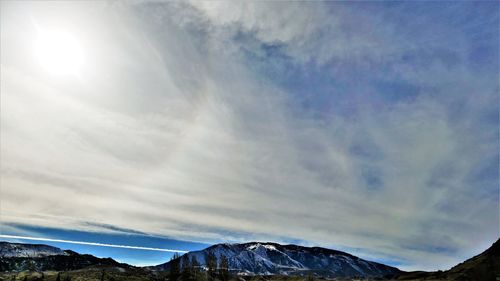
[(483, 267), (244, 259), (258, 258), (8, 250), (20, 257)]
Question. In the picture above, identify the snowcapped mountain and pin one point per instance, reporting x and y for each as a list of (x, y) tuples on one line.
[(34, 257), (258, 258), (10, 250)]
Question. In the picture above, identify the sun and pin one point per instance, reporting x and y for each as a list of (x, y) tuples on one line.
[(59, 53)]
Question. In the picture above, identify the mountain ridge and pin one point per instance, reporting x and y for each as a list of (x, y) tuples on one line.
[(41, 257), (8, 250), (482, 267), (269, 258)]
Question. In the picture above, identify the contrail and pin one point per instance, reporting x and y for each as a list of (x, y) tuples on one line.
[(91, 243)]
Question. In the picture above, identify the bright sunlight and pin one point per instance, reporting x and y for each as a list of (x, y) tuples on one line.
[(59, 53)]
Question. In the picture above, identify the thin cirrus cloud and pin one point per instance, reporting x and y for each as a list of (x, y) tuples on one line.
[(341, 125), (89, 243)]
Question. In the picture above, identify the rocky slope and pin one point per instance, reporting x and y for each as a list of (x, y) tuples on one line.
[(34, 257), (274, 259), (8, 250)]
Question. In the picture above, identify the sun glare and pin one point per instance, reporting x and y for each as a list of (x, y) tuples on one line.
[(59, 53)]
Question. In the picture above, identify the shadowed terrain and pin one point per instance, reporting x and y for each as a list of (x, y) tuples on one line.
[(232, 262)]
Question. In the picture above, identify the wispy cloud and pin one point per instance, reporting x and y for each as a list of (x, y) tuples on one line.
[(89, 243)]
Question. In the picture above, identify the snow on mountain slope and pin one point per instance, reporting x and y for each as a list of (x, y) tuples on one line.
[(258, 258), (34, 257), (9, 250)]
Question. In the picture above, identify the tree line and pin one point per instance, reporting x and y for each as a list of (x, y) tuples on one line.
[(183, 268)]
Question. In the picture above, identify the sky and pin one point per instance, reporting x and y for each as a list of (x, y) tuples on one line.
[(370, 127)]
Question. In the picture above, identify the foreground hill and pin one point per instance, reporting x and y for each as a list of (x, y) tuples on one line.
[(36, 257), (92, 273), (483, 267), (274, 259)]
